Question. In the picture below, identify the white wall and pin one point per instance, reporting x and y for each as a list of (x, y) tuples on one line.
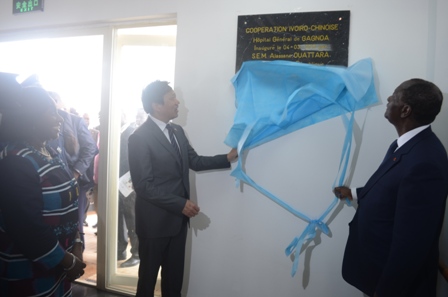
[(236, 247)]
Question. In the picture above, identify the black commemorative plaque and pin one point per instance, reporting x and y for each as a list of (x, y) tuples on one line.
[(310, 37)]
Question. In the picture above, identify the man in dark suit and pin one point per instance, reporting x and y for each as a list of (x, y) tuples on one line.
[(159, 163), (77, 150), (126, 203), (392, 248)]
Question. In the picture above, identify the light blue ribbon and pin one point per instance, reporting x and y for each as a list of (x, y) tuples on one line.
[(322, 93), (310, 231)]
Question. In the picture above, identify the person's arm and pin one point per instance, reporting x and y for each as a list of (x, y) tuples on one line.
[(199, 163), (124, 154), (87, 148), (73, 266), (443, 269), (22, 206), (78, 244)]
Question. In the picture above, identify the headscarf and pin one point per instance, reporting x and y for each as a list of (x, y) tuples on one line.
[(21, 108)]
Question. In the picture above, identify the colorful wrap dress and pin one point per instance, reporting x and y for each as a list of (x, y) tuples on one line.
[(38, 222)]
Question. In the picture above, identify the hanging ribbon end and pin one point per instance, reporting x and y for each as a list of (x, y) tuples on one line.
[(323, 227), (237, 182)]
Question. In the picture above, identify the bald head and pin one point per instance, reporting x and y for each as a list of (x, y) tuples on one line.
[(424, 98)]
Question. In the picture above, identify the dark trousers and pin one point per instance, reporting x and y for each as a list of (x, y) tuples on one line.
[(126, 215), (83, 205), (165, 252)]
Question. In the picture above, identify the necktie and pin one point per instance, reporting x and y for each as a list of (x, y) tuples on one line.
[(173, 141), (391, 150)]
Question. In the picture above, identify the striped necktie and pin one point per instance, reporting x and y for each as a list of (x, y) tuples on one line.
[(173, 141)]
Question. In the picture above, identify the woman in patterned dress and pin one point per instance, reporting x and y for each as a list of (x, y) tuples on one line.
[(40, 247)]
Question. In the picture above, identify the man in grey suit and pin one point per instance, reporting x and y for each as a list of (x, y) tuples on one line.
[(393, 244), (159, 161)]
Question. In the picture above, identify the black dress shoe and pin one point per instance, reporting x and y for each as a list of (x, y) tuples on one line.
[(132, 261), (121, 256)]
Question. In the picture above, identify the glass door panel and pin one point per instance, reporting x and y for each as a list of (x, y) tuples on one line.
[(141, 55)]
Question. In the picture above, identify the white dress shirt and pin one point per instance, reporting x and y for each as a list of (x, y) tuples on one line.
[(162, 126)]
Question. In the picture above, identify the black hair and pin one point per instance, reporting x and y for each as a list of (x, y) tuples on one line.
[(425, 99), (30, 104), (153, 93)]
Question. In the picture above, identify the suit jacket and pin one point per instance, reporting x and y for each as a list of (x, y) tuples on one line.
[(160, 181), (76, 146), (124, 155), (392, 248)]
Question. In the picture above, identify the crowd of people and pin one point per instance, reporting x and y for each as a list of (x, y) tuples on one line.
[(41, 243), (49, 170), (49, 162)]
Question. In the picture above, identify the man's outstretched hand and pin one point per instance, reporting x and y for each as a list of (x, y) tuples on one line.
[(343, 192), (232, 155)]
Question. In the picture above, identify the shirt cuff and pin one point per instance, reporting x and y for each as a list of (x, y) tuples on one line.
[(354, 194)]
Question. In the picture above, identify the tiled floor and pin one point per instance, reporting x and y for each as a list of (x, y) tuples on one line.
[(85, 286), (90, 253), (80, 290)]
